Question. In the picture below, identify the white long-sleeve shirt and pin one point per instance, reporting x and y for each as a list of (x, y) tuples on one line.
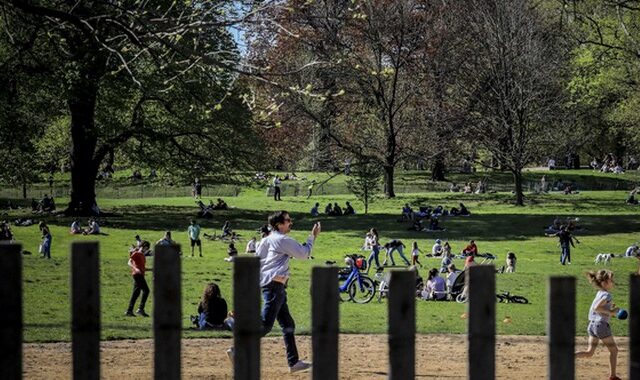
[(275, 251)]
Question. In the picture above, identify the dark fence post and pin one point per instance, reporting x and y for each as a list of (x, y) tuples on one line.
[(561, 327), (85, 310), (167, 312), (482, 322), (248, 326), (634, 327), (11, 315), (325, 323), (402, 324)]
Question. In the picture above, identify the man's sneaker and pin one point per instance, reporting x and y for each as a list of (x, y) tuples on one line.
[(231, 353), (141, 313), (299, 366), (129, 313)]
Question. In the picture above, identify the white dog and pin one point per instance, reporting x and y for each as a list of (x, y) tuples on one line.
[(603, 258)]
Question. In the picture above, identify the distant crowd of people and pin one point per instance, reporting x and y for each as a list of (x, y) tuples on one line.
[(333, 209)]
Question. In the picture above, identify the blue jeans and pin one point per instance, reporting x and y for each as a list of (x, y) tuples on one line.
[(565, 255), (375, 251), (275, 307), (400, 251)]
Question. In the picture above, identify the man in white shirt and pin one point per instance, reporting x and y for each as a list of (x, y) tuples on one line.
[(275, 251)]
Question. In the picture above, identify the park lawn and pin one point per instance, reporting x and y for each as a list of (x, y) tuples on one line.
[(496, 225)]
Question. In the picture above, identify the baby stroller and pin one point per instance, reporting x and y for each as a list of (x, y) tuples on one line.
[(381, 279), (458, 290)]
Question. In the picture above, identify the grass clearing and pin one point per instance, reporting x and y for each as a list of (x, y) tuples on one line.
[(496, 225)]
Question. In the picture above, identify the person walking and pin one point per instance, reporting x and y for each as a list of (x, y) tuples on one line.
[(194, 236), (415, 251), (602, 309), (566, 242), (276, 188), (275, 251), (137, 262)]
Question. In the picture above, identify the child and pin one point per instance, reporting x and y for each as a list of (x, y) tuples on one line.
[(511, 262), (232, 252), (446, 260), (212, 310), (602, 309), (75, 227), (414, 254), (251, 246)]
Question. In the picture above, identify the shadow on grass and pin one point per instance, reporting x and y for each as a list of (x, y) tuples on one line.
[(479, 226)]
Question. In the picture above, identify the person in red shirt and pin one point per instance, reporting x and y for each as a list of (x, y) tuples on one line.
[(137, 263), (471, 249)]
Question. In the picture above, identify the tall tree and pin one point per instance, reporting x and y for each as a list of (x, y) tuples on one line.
[(156, 72), (512, 82)]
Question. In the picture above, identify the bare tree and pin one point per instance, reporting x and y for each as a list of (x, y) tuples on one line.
[(512, 82)]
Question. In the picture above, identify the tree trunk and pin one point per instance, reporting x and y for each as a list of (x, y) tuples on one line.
[(388, 181), (84, 166), (24, 189), (437, 170), (517, 178)]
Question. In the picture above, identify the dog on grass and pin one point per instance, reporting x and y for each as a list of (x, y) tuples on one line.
[(604, 258)]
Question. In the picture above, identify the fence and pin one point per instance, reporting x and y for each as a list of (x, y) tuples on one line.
[(167, 319)]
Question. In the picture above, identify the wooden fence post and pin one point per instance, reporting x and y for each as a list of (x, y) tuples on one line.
[(482, 322), (325, 322), (634, 327), (11, 315), (85, 310), (167, 312), (561, 327), (402, 324), (248, 325)]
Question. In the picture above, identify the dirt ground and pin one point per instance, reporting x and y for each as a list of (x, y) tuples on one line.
[(361, 357)]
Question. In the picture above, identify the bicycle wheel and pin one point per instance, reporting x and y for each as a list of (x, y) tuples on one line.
[(519, 299), (344, 295), (501, 298), (364, 293), (461, 298)]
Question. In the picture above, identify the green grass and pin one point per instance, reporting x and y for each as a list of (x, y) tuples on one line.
[(496, 225)]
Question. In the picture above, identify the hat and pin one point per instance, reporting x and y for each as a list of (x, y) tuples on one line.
[(438, 241)]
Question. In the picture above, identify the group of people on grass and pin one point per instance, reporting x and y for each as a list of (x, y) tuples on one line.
[(333, 209), (46, 204), (93, 227), (469, 188)]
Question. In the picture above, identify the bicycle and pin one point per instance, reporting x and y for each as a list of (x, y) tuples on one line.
[(354, 285), (507, 297)]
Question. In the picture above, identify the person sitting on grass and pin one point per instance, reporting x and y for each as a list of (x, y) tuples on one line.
[(437, 249), (314, 211), (93, 229), (435, 288), (75, 227), (511, 262), (434, 224), (329, 209), (232, 252), (471, 249), (220, 205), (631, 198), (348, 210), (337, 210), (212, 311), (446, 261), (452, 275), (462, 211), (407, 212)]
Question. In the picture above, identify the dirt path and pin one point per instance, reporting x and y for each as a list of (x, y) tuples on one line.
[(361, 357)]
